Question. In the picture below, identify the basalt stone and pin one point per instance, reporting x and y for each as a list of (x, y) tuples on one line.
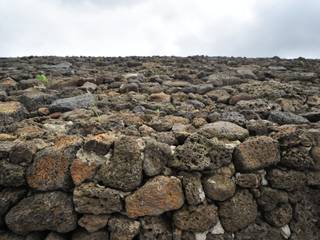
[(54, 236), (193, 155), (35, 99), (10, 236), (270, 198), (11, 175), (297, 158), (156, 156), (90, 198), (224, 130), (193, 188), (256, 153), (100, 144), (238, 212), (83, 235), (219, 187), (41, 212), (196, 218), (9, 197), (23, 152), (122, 228), (5, 148), (68, 104), (155, 228), (11, 112), (286, 180), (221, 154), (248, 180), (124, 170), (50, 170), (279, 216), (93, 223), (157, 196), (286, 118)]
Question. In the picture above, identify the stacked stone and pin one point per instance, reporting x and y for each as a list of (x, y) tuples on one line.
[(159, 148)]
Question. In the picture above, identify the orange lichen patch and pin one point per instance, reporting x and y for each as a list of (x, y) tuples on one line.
[(63, 142), (10, 107), (176, 119), (81, 171), (157, 196), (131, 119), (49, 171)]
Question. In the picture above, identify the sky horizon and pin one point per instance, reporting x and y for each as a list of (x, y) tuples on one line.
[(231, 28)]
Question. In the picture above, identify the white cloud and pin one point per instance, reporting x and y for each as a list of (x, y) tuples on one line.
[(159, 27)]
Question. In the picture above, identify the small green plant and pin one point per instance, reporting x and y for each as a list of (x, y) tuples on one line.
[(42, 78)]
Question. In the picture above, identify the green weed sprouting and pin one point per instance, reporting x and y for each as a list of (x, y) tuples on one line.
[(43, 79)]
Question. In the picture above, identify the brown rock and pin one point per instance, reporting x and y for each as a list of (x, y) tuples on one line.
[(193, 188), (248, 180), (238, 212), (279, 216), (256, 153), (11, 175), (287, 180), (160, 97), (157, 196), (82, 170), (219, 187), (100, 144), (83, 235), (90, 198), (123, 228), (197, 218), (93, 223)]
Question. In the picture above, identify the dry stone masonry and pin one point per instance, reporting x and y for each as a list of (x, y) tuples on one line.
[(159, 148)]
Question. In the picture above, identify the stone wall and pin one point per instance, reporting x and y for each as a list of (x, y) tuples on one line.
[(159, 148)]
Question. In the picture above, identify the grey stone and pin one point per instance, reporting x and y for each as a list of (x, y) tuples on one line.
[(219, 187), (122, 228), (68, 104), (286, 118), (41, 212), (124, 170), (193, 188), (11, 175)]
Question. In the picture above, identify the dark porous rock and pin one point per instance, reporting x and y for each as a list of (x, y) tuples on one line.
[(43, 211), (124, 170), (23, 152), (248, 180), (224, 130), (233, 117), (256, 153), (122, 228), (259, 127), (50, 170), (260, 230), (219, 187), (3, 95), (10, 236), (238, 212), (155, 228), (68, 104), (9, 197), (279, 216), (55, 236), (193, 155), (95, 199), (220, 154), (270, 198), (5, 148), (11, 175), (93, 223), (156, 156), (83, 235), (196, 218), (286, 180), (286, 118), (11, 112), (193, 188), (157, 196), (298, 158), (34, 99), (100, 144)]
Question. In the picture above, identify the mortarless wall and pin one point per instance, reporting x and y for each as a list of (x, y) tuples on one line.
[(159, 148)]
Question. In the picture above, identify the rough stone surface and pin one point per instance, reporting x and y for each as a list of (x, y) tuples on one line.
[(157, 196), (256, 153), (198, 218), (11, 175), (11, 112), (193, 188), (95, 199), (68, 104), (41, 212), (226, 130), (238, 212), (122, 228), (83, 235), (219, 187), (124, 170), (286, 118), (93, 223)]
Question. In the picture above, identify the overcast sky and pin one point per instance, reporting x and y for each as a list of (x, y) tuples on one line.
[(252, 28)]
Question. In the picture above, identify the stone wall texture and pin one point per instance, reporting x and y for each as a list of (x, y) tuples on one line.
[(168, 148)]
